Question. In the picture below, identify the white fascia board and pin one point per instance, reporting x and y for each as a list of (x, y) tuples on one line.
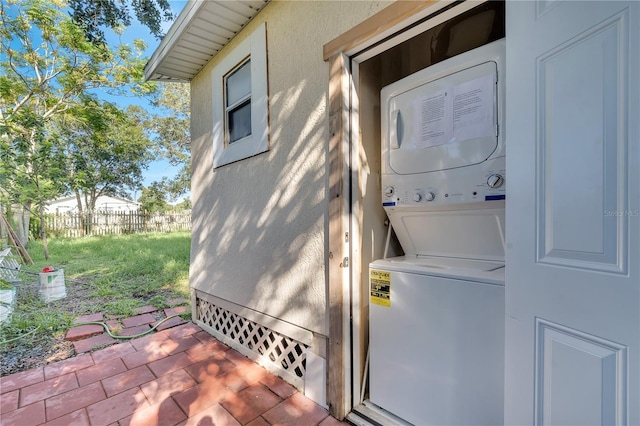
[(172, 37)]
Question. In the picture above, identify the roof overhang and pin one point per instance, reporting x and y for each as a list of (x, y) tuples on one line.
[(201, 30)]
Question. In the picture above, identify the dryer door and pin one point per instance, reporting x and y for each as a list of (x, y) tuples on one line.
[(444, 123)]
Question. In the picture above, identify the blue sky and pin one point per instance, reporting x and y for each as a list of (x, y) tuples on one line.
[(158, 169)]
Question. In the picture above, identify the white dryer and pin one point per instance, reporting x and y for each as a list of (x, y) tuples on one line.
[(437, 314)]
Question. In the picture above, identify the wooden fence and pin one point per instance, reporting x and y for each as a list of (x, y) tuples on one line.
[(113, 223)]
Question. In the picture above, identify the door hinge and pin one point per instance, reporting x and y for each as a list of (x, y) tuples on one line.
[(345, 262)]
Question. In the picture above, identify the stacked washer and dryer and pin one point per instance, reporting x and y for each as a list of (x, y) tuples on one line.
[(437, 313)]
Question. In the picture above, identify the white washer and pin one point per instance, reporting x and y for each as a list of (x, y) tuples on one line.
[(436, 315), (437, 350)]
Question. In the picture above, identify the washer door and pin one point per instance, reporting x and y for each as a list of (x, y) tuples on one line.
[(442, 123)]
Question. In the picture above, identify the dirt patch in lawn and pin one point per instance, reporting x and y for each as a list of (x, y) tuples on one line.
[(35, 336)]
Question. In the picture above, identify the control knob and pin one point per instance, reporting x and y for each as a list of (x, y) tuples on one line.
[(430, 196), (417, 197), (495, 180), (388, 191)]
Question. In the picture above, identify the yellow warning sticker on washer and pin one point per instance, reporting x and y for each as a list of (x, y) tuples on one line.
[(380, 283)]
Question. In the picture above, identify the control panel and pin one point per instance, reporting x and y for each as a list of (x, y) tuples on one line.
[(461, 186)]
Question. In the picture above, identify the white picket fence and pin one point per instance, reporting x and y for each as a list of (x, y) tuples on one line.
[(114, 223)]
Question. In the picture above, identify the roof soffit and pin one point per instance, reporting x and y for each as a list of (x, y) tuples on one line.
[(201, 30)]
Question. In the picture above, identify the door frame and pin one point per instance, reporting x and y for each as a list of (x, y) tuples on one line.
[(391, 26)]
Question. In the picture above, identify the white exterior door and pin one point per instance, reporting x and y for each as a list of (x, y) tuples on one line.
[(573, 234)]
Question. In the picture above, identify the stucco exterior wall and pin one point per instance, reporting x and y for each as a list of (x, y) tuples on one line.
[(260, 224)]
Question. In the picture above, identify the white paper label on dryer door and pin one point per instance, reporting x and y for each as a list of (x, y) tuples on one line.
[(436, 123), (473, 109), (455, 114)]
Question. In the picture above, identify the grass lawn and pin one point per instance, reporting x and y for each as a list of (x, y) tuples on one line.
[(109, 274)]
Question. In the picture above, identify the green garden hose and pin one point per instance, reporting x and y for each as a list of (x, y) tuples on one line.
[(4, 342), (106, 328)]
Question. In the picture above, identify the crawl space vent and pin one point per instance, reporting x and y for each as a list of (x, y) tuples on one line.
[(284, 352)]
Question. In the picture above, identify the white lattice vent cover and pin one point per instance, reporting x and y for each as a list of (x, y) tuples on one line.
[(283, 351), (9, 267)]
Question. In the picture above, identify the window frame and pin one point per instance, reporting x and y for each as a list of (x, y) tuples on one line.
[(237, 104), (253, 49)]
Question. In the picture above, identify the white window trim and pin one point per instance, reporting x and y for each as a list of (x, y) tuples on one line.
[(255, 47)]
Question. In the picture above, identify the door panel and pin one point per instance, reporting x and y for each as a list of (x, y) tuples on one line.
[(572, 226), (574, 367), (582, 149)]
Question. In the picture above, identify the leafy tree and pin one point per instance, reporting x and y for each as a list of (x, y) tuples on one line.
[(106, 150), (153, 198), (94, 15), (185, 204), (172, 135), (49, 69), (30, 174)]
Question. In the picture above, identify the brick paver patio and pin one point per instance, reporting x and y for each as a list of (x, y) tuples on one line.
[(180, 375)]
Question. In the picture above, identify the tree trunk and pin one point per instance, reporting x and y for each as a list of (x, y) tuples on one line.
[(83, 219), (43, 232)]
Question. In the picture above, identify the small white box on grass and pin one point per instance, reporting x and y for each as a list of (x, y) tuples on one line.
[(52, 286)]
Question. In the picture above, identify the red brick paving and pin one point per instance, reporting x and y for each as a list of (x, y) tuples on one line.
[(166, 412), (138, 320), (47, 389), (26, 416), (178, 344), (9, 401), (183, 330), (127, 380), (209, 368), (171, 323), (169, 364), (71, 401), (278, 386), (331, 421), (112, 352), (117, 407), (202, 351), (200, 397), (83, 331), (114, 325), (89, 318), (20, 380), (101, 371), (132, 331), (205, 337), (144, 310), (176, 311), (68, 366), (160, 389), (249, 403), (214, 415), (142, 357), (178, 376), (77, 418), (259, 421), (150, 342), (92, 343), (294, 411)]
